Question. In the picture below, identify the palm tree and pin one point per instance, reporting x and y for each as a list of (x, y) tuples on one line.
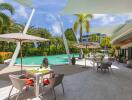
[(105, 42), (15, 27), (4, 19), (82, 21)]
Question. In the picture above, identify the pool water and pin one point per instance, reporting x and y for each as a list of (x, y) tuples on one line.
[(53, 60)]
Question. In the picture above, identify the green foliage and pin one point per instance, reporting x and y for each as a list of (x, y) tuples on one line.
[(94, 38), (86, 51), (105, 42), (15, 27), (8, 7), (41, 32), (112, 50), (34, 51), (72, 48), (70, 35), (4, 56), (53, 49), (54, 46), (82, 21), (1, 59), (5, 19)]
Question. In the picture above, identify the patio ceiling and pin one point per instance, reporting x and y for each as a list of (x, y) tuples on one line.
[(124, 38), (98, 7)]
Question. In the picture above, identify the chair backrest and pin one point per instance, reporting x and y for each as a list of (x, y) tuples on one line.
[(106, 64), (16, 82), (56, 80)]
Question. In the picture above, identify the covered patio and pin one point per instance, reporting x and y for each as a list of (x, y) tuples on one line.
[(79, 83)]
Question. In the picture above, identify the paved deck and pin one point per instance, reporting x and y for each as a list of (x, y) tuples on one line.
[(86, 84)]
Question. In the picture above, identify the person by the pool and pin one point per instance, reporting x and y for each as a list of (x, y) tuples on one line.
[(45, 63)]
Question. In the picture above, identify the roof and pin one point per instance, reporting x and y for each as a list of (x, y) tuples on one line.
[(98, 6), (122, 33)]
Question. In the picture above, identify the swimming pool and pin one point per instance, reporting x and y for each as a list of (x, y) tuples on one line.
[(53, 60)]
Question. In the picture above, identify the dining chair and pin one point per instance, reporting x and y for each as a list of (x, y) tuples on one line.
[(19, 84), (54, 82)]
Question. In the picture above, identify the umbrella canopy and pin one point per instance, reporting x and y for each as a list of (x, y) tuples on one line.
[(17, 37)]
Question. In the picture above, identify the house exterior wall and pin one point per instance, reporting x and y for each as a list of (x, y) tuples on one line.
[(123, 38), (86, 38)]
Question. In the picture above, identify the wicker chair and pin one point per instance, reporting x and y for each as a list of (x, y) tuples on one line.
[(17, 83), (104, 66), (55, 81)]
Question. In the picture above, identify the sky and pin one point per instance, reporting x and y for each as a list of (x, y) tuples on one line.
[(47, 12)]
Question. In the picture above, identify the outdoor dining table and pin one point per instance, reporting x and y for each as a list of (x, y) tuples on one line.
[(37, 73)]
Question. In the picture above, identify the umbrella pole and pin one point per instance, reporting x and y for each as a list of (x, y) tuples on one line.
[(21, 54), (85, 57)]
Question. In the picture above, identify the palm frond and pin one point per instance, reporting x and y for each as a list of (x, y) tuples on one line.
[(6, 6), (1, 21), (78, 15), (6, 19), (88, 16), (76, 24)]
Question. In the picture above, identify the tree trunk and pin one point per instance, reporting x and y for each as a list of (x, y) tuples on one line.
[(3, 46), (81, 33), (49, 48)]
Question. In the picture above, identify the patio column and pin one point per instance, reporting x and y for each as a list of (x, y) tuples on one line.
[(127, 53), (81, 51), (13, 59), (64, 38)]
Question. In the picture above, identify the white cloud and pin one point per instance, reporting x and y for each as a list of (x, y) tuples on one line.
[(105, 19), (97, 16), (56, 28), (55, 25), (50, 17), (1, 1), (22, 11), (129, 16)]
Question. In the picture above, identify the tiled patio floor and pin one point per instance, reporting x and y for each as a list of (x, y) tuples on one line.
[(88, 85)]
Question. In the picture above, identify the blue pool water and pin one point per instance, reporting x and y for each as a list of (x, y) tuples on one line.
[(53, 60)]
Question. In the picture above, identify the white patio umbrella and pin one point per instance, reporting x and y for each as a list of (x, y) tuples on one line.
[(86, 45), (92, 45), (19, 37)]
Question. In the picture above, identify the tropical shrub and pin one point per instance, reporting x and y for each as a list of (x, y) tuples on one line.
[(4, 56)]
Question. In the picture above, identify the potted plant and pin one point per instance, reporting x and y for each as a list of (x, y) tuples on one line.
[(73, 60)]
